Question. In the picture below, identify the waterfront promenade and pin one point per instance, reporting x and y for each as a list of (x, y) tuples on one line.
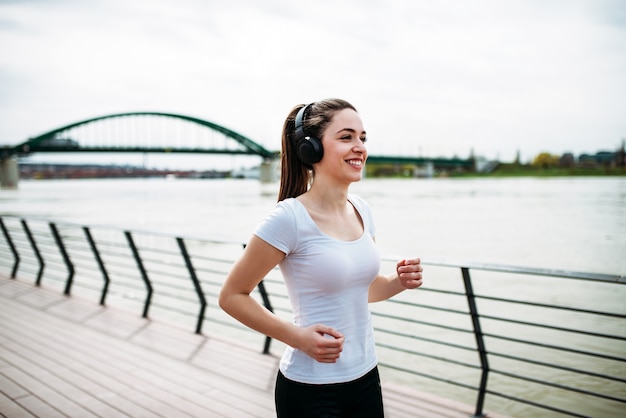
[(68, 357)]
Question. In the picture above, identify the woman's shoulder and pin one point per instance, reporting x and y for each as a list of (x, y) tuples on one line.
[(279, 227), (358, 201), (288, 202), (286, 209), (289, 205)]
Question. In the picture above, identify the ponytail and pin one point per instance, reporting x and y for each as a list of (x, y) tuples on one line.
[(294, 175)]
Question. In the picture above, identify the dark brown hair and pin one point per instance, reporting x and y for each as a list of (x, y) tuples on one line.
[(296, 176)]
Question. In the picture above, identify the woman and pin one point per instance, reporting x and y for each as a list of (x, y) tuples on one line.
[(322, 238)]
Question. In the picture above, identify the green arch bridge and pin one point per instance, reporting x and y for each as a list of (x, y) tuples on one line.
[(158, 132)]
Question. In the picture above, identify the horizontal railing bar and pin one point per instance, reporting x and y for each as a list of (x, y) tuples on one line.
[(428, 376), (20, 240), (557, 366), (431, 290), (101, 226), (419, 321), (610, 278), (125, 266), (208, 270), (553, 327), (535, 404), (472, 265), (559, 386), (420, 338), (558, 348), (157, 304), (172, 287), (556, 307), (151, 253), (166, 295), (433, 307), (87, 286), (113, 245), (47, 245), (208, 260), (430, 356), (127, 285)]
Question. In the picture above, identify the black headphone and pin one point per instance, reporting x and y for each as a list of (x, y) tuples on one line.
[(308, 148)]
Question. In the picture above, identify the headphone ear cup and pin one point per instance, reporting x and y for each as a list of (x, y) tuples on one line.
[(310, 150)]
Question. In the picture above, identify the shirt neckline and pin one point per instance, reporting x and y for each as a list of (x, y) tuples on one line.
[(319, 230)]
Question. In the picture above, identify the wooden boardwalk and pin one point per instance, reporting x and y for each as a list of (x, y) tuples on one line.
[(66, 357)]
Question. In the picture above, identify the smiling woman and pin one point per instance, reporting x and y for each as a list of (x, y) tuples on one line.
[(322, 238)]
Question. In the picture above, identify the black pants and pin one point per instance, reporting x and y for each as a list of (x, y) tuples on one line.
[(360, 398)]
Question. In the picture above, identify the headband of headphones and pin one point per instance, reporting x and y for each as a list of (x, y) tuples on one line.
[(308, 148), (299, 130)]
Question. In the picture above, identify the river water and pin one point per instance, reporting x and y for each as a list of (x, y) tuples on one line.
[(570, 223), (573, 223)]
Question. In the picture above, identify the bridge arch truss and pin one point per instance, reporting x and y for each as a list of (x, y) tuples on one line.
[(144, 132)]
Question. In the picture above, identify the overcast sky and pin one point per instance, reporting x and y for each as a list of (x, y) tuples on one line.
[(432, 78)]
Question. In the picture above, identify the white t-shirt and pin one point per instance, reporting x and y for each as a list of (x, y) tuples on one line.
[(328, 281)]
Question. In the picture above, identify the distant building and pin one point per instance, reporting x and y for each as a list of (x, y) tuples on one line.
[(606, 159), (567, 160)]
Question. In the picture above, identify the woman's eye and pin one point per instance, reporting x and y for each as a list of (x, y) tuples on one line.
[(350, 137)]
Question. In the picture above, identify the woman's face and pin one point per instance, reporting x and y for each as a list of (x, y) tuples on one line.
[(344, 147)]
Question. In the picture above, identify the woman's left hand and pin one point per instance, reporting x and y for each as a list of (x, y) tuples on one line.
[(410, 273)]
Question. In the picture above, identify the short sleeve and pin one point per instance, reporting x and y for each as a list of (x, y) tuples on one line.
[(279, 228)]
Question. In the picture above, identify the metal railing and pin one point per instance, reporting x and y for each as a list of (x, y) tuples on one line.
[(513, 340)]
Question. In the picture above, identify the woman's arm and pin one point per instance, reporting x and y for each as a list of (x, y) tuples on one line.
[(408, 276), (257, 260)]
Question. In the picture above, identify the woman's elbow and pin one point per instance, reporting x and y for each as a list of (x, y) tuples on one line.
[(223, 300), (230, 300)]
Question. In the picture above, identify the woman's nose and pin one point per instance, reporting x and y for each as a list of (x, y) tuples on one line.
[(359, 146)]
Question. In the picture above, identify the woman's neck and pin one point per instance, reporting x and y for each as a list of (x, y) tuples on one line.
[(327, 197)]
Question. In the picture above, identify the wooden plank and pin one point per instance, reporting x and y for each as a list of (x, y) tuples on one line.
[(123, 382), (129, 367), (37, 385), (10, 408), (408, 402), (12, 288), (93, 392), (39, 408), (117, 323), (10, 388), (65, 356), (169, 340), (75, 310), (40, 300)]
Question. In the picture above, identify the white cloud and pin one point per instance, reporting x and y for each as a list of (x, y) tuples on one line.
[(436, 78)]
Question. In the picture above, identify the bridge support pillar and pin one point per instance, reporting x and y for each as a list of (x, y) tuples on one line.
[(427, 170), (9, 173), (269, 171)]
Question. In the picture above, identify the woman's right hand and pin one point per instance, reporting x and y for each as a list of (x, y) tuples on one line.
[(320, 342)]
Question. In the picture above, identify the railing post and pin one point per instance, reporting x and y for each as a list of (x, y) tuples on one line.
[(66, 258), (268, 306), (196, 283), (16, 255), (142, 270), (480, 343), (33, 244), (101, 265)]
